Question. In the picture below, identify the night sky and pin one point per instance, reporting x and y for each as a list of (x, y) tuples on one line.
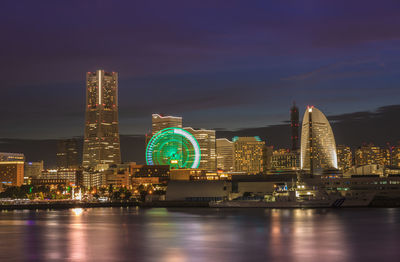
[(225, 65)]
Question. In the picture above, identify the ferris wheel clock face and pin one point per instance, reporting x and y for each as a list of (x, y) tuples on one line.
[(174, 147)]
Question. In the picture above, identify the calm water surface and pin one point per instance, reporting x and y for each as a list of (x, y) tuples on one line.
[(160, 234)]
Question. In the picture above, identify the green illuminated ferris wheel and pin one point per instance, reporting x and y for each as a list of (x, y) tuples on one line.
[(174, 147)]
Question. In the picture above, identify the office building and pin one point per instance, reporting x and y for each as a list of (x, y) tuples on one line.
[(160, 122), (318, 148), (285, 159), (12, 169), (294, 125), (344, 157), (33, 169), (207, 144), (101, 139), (225, 154), (70, 175), (91, 179), (248, 155), (395, 156), (67, 154), (371, 154)]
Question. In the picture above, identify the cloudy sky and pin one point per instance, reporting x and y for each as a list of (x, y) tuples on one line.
[(220, 64)]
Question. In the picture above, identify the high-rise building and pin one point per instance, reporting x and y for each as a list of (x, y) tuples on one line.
[(395, 156), (285, 159), (248, 155), (318, 148), (267, 157), (70, 176), (371, 155), (12, 169), (207, 144), (225, 154), (101, 140), (33, 169), (160, 122), (344, 157), (67, 154), (294, 125)]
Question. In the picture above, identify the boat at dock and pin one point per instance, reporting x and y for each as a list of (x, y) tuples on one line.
[(288, 199)]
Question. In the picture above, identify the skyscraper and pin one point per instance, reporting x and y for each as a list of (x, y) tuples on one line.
[(344, 157), (160, 122), (372, 155), (294, 124), (12, 169), (67, 154), (225, 153), (101, 140), (318, 148), (285, 159), (207, 143), (249, 155)]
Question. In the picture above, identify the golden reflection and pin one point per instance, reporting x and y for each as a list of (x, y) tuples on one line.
[(77, 237), (77, 211)]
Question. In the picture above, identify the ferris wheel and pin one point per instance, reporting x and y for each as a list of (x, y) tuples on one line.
[(175, 147)]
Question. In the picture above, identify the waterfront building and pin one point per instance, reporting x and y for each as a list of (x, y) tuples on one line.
[(225, 154), (12, 169), (49, 182), (117, 179), (318, 148), (203, 190), (248, 155), (150, 171), (267, 157), (285, 159), (67, 154), (294, 125), (159, 122), (186, 174), (70, 175), (395, 156), (207, 144), (33, 169), (92, 179), (371, 154), (344, 157), (101, 138)]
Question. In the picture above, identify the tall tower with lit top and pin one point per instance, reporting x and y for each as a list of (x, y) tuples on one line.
[(294, 125), (101, 139)]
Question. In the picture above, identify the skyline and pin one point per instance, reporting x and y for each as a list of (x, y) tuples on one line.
[(195, 67)]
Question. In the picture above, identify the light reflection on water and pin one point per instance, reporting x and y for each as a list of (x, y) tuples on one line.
[(159, 234)]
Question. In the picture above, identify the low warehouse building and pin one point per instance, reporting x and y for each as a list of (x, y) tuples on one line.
[(202, 190)]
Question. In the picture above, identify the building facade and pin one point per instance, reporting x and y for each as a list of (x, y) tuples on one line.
[(70, 175), (207, 143), (371, 154), (344, 157), (294, 125), (101, 138), (225, 154), (33, 169), (285, 159), (159, 122), (67, 153), (248, 155), (318, 147), (12, 169), (395, 156)]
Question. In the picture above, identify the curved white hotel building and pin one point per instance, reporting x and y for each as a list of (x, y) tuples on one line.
[(318, 148)]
